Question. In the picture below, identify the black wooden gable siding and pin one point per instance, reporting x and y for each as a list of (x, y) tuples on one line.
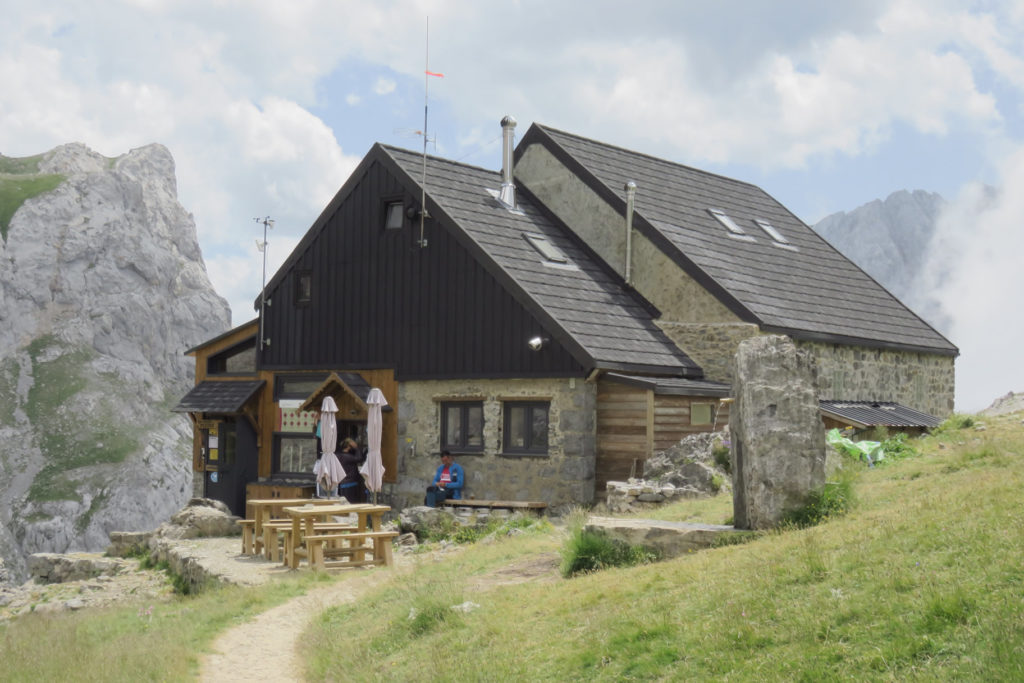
[(380, 301)]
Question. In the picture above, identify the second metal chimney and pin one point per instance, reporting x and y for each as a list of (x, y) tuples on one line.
[(630, 201), (508, 189)]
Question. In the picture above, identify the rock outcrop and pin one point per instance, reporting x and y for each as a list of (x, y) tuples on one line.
[(778, 439), (102, 289)]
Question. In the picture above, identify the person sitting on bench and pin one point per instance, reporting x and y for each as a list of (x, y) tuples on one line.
[(448, 481)]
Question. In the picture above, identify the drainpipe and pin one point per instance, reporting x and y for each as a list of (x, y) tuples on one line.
[(630, 201), (508, 189)]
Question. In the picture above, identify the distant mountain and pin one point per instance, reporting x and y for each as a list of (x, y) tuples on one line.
[(890, 239), (102, 289)]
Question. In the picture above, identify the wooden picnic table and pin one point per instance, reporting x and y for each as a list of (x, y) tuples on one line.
[(304, 519), (262, 510)]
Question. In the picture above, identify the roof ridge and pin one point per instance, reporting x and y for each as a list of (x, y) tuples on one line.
[(434, 157), (648, 156)]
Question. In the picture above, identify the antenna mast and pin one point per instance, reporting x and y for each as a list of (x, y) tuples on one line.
[(268, 223), (426, 90)]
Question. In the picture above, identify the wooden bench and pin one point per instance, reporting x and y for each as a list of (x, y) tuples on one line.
[(512, 505), (319, 547), (248, 536)]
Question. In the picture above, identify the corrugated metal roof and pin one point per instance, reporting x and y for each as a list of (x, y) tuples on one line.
[(582, 297), (218, 397), (804, 288), (877, 414)]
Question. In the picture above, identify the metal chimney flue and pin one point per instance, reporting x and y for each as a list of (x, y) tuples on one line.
[(630, 204), (508, 188)]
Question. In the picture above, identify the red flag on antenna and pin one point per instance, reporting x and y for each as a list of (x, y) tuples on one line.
[(431, 73)]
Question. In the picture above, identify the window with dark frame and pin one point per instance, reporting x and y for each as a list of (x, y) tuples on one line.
[(303, 287), (394, 216), (462, 426), (526, 427)]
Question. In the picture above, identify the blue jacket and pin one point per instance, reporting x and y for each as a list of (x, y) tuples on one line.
[(458, 479)]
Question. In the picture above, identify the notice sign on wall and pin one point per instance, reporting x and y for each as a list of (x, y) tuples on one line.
[(291, 419)]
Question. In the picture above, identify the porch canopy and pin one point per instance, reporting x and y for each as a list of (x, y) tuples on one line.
[(223, 398), (348, 389)]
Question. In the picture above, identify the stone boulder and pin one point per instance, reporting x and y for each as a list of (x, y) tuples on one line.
[(60, 568), (778, 439), (669, 539), (202, 517), (419, 518)]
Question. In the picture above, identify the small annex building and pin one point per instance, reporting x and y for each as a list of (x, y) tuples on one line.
[(551, 324)]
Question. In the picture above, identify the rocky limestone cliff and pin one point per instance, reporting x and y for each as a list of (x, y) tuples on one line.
[(102, 289), (890, 240)]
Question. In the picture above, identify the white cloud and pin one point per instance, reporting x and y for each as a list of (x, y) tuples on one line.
[(352, 99), (384, 86), (974, 271)]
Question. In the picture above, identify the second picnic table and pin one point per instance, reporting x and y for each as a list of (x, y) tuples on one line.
[(304, 520)]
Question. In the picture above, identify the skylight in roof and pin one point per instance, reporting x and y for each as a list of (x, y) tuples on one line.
[(772, 232), (730, 225), (546, 248)]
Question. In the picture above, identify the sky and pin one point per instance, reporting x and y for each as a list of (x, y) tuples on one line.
[(267, 106)]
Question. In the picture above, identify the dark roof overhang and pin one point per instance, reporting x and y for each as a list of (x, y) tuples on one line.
[(672, 386), (223, 398)]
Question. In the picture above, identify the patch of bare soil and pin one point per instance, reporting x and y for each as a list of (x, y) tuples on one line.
[(543, 568)]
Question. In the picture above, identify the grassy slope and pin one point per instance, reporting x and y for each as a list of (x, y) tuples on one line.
[(922, 581)]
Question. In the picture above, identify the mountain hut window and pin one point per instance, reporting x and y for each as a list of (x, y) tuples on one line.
[(462, 426), (394, 216), (303, 287), (729, 224), (700, 413), (526, 427)]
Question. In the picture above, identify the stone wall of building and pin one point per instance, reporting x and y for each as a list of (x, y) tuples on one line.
[(711, 345), (922, 381), (564, 476)]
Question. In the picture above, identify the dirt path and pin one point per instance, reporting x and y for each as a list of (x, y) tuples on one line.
[(265, 648), (236, 658)]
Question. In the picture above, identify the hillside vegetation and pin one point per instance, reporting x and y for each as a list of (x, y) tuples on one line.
[(923, 579), (20, 180)]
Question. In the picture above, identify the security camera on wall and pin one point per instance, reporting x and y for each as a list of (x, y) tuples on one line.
[(536, 343)]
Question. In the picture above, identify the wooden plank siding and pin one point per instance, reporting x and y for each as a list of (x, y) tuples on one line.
[(623, 432), (634, 422), (379, 300)]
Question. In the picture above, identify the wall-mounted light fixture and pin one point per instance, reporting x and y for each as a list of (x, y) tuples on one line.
[(537, 343)]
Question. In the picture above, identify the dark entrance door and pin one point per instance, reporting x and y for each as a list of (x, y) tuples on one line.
[(227, 474)]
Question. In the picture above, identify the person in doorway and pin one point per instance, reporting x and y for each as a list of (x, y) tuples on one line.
[(352, 486), (448, 481)]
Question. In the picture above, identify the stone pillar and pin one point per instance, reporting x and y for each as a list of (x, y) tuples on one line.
[(777, 437)]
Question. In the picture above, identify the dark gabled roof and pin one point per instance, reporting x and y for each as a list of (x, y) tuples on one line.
[(672, 386), (225, 335), (877, 414), (226, 398), (811, 292), (582, 303)]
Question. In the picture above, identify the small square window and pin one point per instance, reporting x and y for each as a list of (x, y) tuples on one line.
[(394, 217), (526, 427), (729, 224), (700, 413)]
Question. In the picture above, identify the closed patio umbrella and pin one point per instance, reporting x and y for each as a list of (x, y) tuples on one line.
[(373, 469), (331, 472)]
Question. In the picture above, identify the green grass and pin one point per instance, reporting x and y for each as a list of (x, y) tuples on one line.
[(73, 439), (921, 580), (144, 641), (16, 189)]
